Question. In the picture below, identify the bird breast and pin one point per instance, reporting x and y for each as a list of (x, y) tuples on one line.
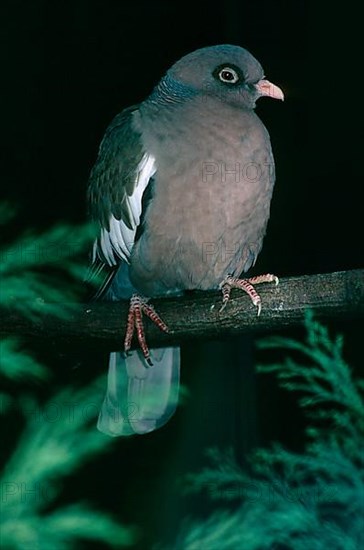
[(211, 196)]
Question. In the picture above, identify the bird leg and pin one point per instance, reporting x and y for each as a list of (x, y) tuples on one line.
[(248, 286), (139, 306)]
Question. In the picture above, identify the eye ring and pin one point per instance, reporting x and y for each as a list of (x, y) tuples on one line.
[(228, 75)]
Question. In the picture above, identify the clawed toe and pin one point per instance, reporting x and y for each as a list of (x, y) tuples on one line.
[(138, 307), (248, 286)]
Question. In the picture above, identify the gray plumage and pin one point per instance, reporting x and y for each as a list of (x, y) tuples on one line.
[(181, 189)]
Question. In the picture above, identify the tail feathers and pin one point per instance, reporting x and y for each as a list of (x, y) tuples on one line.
[(140, 398)]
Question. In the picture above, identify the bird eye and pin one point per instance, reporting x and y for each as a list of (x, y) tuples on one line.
[(228, 75)]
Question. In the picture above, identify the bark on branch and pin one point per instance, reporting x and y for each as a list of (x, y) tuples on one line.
[(101, 325)]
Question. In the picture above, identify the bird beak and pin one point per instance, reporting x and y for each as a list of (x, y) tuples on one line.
[(266, 88)]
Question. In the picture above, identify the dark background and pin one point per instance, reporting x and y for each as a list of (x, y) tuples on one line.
[(66, 69)]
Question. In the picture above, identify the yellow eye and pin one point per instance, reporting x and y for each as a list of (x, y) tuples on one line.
[(228, 75)]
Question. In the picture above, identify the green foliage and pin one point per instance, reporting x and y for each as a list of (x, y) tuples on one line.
[(294, 501), (59, 436), (33, 268), (326, 380), (17, 365)]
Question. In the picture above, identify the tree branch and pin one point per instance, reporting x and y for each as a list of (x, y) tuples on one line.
[(196, 316)]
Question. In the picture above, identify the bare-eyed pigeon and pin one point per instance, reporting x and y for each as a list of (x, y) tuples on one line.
[(181, 190)]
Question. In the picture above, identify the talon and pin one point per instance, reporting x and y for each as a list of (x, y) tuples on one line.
[(225, 287), (127, 346), (222, 307), (248, 286), (138, 307)]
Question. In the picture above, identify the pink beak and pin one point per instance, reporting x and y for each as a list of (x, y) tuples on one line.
[(266, 88)]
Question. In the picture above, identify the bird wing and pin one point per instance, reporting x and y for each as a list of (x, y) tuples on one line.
[(117, 182), (121, 174)]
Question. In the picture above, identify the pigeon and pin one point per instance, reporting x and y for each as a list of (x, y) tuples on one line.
[(180, 193)]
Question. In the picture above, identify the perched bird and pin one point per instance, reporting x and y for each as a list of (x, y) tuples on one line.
[(181, 191)]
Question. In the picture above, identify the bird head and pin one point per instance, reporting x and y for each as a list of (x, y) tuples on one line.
[(229, 73)]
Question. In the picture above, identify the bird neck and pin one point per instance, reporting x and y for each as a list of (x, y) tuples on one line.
[(170, 91)]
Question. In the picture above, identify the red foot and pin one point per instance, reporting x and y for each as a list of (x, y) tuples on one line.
[(138, 306), (247, 285)]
